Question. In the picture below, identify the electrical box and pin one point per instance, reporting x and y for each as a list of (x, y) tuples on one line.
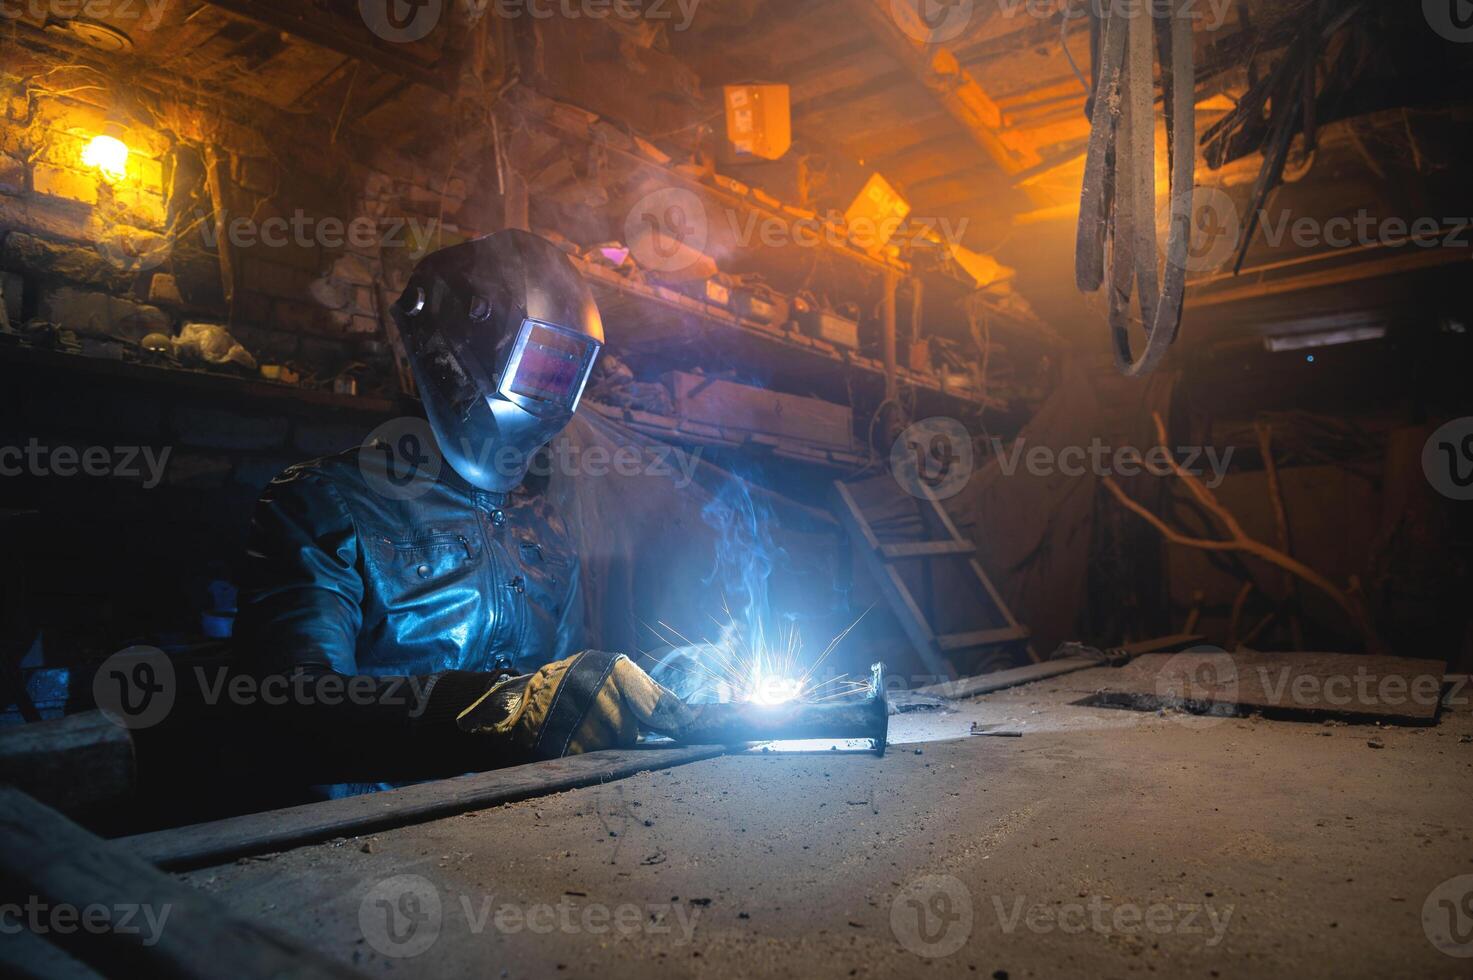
[(714, 291), (759, 305), (876, 214), (759, 120), (830, 326)]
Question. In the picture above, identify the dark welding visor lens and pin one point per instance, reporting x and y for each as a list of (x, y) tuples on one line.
[(548, 367)]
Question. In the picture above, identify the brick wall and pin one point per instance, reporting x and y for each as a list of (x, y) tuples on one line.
[(313, 225)]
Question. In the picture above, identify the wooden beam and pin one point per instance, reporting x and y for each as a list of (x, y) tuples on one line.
[(968, 687), (70, 763), (179, 932), (1253, 288), (928, 549), (1001, 680), (219, 184), (219, 841), (952, 642), (309, 24), (951, 84)]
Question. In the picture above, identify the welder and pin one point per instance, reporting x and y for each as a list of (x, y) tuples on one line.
[(422, 592)]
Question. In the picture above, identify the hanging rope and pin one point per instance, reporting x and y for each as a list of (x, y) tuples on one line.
[(1117, 212)]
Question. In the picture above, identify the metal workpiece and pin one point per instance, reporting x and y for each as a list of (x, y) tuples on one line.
[(736, 723)]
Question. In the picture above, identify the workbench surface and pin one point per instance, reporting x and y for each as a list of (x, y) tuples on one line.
[(1101, 843)]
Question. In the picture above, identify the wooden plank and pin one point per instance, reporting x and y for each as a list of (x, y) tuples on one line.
[(968, 687), (738, 406), (1000, 680), (927, 549), (257, 833), (70, 763), (344, 37), (1296, 685), (1176, 641), (27, 956), (49, 859), (980, 638)]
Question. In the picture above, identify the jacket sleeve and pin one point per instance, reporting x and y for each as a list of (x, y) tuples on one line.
[(302, 586), (571, 631)]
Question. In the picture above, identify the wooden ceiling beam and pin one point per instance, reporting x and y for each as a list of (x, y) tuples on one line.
[(308, 25), (950, 84)]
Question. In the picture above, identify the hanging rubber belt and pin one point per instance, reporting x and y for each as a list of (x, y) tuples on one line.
[(1118, 203)]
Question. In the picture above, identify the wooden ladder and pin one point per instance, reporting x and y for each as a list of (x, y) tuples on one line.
[(903, 564)]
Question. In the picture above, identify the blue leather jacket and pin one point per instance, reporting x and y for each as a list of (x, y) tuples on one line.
[(343, 578)]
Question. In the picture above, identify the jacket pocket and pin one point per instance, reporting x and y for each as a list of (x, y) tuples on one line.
[(407, 562)]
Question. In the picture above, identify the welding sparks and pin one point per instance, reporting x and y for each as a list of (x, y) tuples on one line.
[(773, 691), (744, 667)]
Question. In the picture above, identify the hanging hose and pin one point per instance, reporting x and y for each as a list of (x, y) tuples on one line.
[(1117, 211)]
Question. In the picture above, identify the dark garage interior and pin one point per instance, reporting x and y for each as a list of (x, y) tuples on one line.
[(720, 488)]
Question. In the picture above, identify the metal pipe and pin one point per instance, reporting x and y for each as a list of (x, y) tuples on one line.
[(737, 723)]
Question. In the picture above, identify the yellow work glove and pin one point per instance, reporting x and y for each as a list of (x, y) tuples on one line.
[(591, 701)]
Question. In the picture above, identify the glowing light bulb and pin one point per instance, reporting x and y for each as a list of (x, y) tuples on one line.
[(108, 155)]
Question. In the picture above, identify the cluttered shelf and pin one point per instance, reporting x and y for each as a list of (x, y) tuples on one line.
[(20, 356), (737, 201), (646, 318)]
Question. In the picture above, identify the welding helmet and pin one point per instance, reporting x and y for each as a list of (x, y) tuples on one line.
[(501, 334)]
